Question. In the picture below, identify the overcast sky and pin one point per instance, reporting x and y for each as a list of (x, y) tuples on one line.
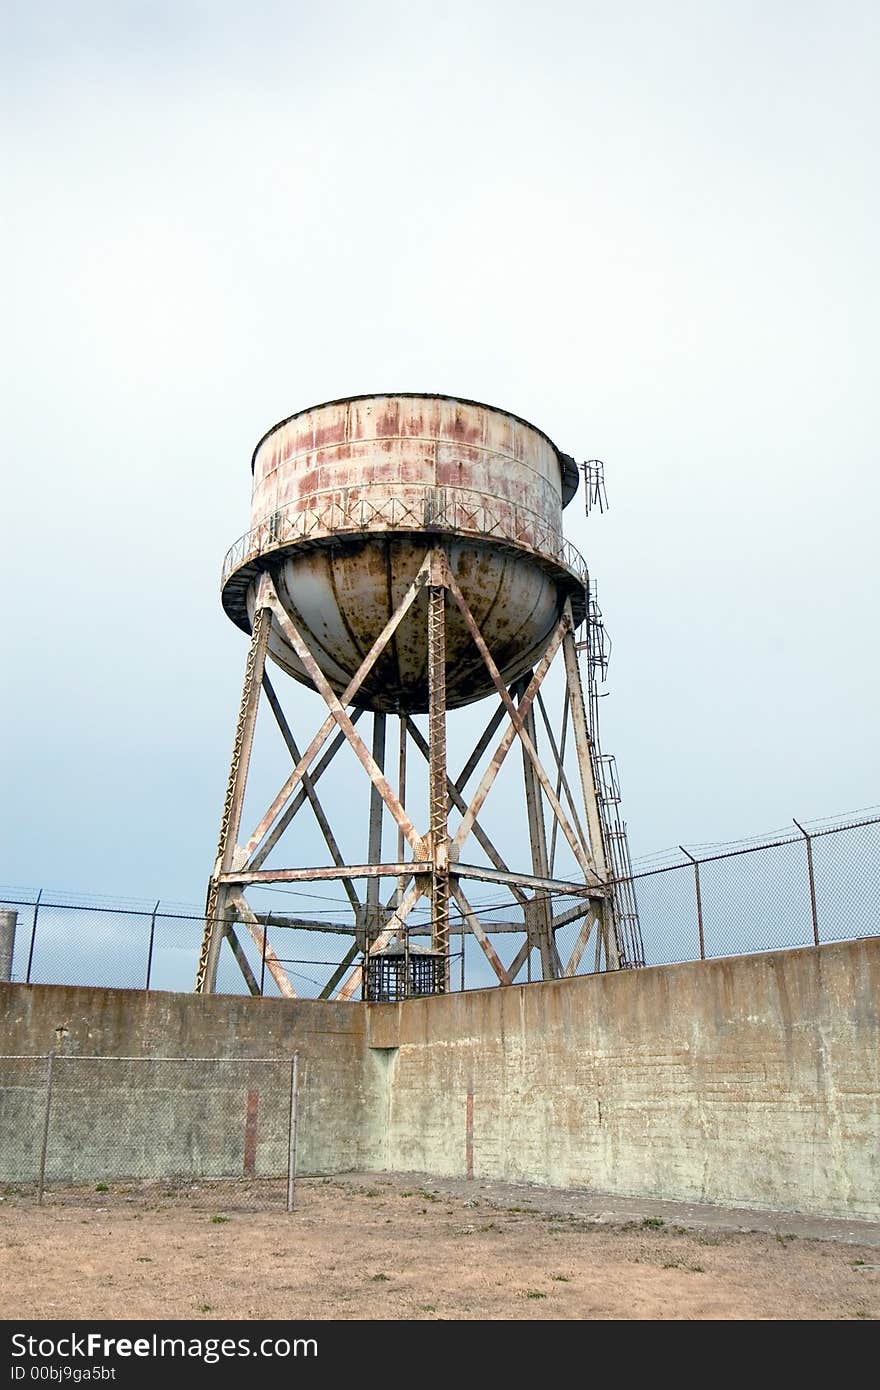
[(649, 228)]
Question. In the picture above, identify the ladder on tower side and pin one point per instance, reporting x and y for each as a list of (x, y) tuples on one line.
[(595, 647)]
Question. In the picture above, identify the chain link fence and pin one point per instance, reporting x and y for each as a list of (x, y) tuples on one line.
[(815, 883), (202, 1132)]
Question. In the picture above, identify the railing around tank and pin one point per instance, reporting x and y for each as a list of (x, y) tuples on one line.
[(435, 509)]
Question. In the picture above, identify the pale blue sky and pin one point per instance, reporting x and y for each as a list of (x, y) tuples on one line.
[(651, 229)]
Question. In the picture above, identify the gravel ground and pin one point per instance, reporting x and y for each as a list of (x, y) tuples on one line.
[(383, 1246)]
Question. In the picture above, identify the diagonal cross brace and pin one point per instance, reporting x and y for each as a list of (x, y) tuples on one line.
[(235, 946), (478, 931), (347, 960), (309, 789), (520, 958), (562, 783), (410, 899), (517, 721), (351, 690), (507, 738), (273, 965), (581, 944), (584, 746), (554, 833), (480, 747), (460, 804), (293, 807), (322, 685)]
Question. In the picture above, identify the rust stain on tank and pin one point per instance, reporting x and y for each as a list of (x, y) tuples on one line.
[(388, 421), (464, 427), (330, 431)]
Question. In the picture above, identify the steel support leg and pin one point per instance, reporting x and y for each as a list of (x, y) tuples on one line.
[(372, 923), (538, 914), (584, 748), (607, 935), (401, 793), (439, 796), (217, 903)]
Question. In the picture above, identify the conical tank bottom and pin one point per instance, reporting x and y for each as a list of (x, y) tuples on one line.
[(341, 595)]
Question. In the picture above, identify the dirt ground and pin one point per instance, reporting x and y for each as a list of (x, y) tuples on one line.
[(376, 1246)]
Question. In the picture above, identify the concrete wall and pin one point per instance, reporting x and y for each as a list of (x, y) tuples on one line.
[(752, 1081), (150, 1119)]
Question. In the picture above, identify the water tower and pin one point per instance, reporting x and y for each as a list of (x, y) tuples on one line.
[(406, 557)]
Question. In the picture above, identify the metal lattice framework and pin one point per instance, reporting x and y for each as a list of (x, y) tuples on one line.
[(437, 868)]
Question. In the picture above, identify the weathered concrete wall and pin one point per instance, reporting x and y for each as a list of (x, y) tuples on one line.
[(140, 1118), (753, 1081)]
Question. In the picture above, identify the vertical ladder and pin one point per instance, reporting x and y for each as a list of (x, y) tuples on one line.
[(596, 648)]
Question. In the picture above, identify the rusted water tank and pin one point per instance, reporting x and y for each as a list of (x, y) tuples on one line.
[(349, 496)]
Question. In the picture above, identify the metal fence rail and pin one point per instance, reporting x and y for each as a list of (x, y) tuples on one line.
[(193, 1129), (815, 883)]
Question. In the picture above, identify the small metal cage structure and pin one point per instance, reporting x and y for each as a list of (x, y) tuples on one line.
[(401, 971)]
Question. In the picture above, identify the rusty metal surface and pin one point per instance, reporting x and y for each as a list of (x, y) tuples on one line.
[(377, 447), (373, 917), (346, 498), (539, 913), (457, 800), (244, 913), (438, 798), (271, 818), (380, 782), (507, 738), (517, 720), (232, 807), (308, 786), (570, 470), (436, 869)]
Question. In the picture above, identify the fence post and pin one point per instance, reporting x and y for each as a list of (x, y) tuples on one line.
[(27, 978), (263, 961), (152, 938), (809, 843), (696, 864), (291, 1152), (8, 922), (50, 1059)]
